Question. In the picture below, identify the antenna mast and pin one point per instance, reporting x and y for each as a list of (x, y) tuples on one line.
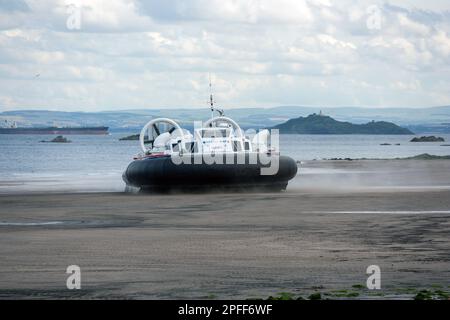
[(211, 99)]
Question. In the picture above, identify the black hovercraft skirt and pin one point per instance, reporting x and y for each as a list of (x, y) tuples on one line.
[(161, 174)]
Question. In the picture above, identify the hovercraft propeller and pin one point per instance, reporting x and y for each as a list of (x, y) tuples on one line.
[(157, 128)]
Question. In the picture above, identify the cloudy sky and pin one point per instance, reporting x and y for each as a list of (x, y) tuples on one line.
[(131, 54)]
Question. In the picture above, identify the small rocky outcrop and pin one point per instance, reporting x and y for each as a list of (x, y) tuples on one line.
[(58, 139), (133, 137), (427, 139)]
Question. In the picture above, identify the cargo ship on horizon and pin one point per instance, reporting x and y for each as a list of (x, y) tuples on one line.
[(56, 130)]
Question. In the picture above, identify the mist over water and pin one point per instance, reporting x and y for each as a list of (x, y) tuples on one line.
[(96, 163), (369, 175)]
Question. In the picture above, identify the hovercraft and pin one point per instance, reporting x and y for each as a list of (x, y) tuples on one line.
[(217, 155)]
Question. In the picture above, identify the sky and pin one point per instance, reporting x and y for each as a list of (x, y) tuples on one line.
[(93, 55)]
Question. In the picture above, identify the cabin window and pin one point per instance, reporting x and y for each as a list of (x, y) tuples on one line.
[(236, 146), (215, 133)]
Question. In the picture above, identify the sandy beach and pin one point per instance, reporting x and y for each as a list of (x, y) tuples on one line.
[(336, 219)]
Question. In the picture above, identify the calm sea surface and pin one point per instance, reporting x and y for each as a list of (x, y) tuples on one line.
[(95, 163)]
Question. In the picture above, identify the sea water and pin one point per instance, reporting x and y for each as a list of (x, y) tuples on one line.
[(96, 163)]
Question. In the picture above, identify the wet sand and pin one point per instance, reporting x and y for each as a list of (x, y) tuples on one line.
[(321, 234)]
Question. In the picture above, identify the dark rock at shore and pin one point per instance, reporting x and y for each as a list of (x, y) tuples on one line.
[(427, 139), (426, 156), (346, 159), (423, 156), (385, 144), (58, 139)]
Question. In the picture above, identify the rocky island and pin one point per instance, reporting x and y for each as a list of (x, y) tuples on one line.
[(58, 139), (133, 137), (427, 139), (321, 124)]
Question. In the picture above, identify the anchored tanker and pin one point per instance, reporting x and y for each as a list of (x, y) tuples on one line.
[(55, 130), (216, 155)]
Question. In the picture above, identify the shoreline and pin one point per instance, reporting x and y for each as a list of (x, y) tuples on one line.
[(359, 175), (335, 219), (227, 246)]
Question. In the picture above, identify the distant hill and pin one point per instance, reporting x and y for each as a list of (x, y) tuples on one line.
[(320, 124), (43, 118), (420, 120)]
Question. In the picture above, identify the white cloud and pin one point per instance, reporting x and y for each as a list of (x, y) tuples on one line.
[(138, 54), (415, 27), (251, 11), (442, 43)]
